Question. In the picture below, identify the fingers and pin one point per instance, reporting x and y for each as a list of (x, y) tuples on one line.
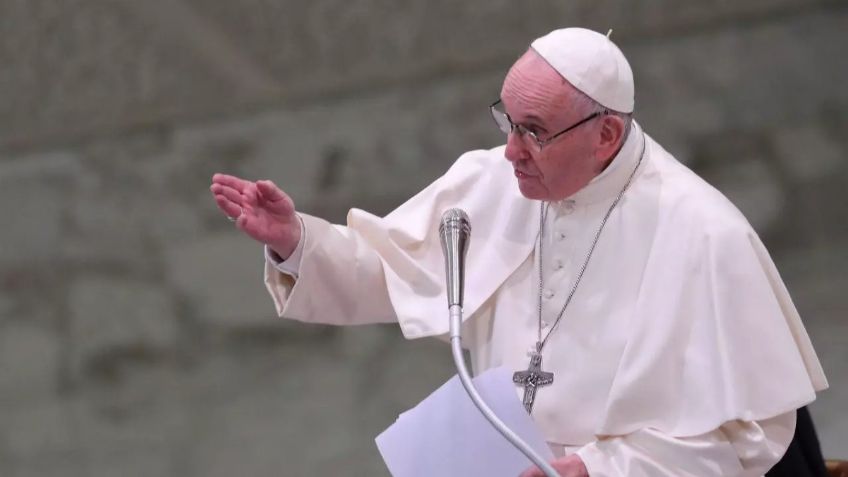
[(237, 197), (274, 199), (229, 208), (230, 181), (250, 196), (271, 198), (269, 191), (228, 200), (228, 192)]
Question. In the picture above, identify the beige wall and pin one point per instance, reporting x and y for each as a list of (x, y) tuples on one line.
[(135, 336)]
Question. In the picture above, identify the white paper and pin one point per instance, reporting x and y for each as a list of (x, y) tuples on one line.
[(446, 435)]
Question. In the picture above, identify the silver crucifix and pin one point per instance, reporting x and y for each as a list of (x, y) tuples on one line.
[(531, 379)]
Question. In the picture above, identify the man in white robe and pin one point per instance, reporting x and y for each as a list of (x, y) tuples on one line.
[(680, 352)]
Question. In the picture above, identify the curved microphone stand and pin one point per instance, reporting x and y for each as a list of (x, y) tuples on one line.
[(454, 231)]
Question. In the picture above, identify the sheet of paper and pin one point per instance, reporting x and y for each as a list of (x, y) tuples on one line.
[(446, 435)]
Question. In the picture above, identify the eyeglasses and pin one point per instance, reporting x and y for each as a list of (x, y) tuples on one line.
[(506, 125)]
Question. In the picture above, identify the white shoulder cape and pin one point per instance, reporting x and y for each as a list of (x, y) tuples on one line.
[(712, 335)]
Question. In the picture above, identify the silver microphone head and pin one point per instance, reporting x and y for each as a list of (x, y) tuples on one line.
[(455, 232)]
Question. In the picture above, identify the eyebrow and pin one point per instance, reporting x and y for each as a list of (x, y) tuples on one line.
[(533, 117), (535, 120), (530, 119)]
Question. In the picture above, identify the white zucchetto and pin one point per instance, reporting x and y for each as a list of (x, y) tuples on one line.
[(591, 63)]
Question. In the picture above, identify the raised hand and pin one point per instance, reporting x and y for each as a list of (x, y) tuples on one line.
[(260, 209)]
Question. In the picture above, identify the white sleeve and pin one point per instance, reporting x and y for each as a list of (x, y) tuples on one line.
[(737, 448), (291, 265), (340, 279)]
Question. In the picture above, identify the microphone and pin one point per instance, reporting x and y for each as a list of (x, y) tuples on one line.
[(455, 231)]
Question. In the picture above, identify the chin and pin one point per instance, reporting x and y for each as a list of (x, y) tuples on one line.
[(532, 193)]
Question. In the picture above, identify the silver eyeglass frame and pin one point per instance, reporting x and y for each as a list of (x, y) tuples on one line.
[(522, 131)]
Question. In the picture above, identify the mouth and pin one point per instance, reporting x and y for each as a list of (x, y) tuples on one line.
[(521, 174)]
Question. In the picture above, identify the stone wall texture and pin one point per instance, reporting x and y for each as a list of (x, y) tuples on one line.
[(136, 337)]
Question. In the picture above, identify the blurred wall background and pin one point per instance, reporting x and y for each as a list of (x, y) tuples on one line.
[(136, 338)]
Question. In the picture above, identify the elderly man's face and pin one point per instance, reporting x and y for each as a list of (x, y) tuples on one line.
[(536, 96)]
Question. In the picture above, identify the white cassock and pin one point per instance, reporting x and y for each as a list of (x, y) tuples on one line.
[(681, 352)]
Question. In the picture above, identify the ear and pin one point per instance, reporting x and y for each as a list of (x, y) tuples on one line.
[(610, 136)]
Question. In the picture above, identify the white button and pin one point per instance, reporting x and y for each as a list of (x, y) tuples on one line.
[(561, 235), (568, 206), (558, 265), (549, 293), (544, 324)]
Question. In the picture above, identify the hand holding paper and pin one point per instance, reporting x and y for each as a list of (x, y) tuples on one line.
[(446, 435)]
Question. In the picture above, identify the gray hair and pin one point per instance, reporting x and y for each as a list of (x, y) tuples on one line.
[(582, 103)]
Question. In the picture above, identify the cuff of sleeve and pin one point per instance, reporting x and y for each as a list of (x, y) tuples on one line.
[(291, 265)]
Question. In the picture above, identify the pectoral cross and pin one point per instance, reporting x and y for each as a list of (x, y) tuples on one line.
[(531, 379)]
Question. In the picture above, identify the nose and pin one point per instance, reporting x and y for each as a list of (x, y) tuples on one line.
[(516, 149)]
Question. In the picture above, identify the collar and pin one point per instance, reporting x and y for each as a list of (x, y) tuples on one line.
[(608, 183)]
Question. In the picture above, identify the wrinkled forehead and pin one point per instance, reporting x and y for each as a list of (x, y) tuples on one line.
[(533, 87)]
